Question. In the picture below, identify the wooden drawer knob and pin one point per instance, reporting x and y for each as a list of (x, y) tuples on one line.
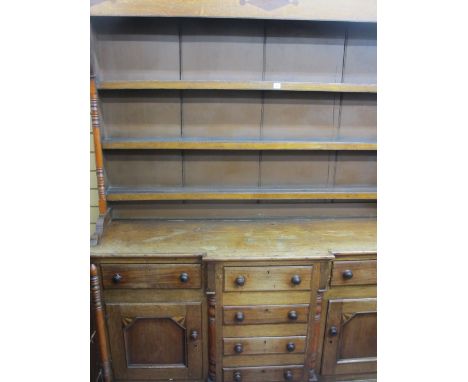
[(184, 277), (239, 316), (238, 348), (292, 315), (333, 331), (347, 274), (296, 279), (240, 280), (117, 278), (237, 376), (194, 335), (290, 347), (288, 375)]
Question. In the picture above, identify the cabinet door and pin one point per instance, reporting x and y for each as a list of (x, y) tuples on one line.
[(155, 341), (350, 344)]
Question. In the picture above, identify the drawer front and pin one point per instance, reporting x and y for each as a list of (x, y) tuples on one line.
[(172, 276), (362, 272), (264, 374), (265, 314), (267, 278), (264, 345)]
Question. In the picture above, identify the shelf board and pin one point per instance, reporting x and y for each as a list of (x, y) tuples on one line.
[(223, 144), (240, 85), (324, 10), (187, 193)]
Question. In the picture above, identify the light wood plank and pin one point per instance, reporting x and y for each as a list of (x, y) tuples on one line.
[(331, 10), (127, 194), (241, 85), (216, 144)]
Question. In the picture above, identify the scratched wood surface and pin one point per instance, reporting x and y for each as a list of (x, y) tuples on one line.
[(225, 240)]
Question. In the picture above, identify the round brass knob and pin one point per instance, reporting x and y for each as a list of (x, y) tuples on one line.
[(240, 280), (296, 279), (290, 347), (184, 277), (347, 274), (333, 331), (288, 375), (238, 348), (237, 376), (292, 315), (117, 278), (239, 316)]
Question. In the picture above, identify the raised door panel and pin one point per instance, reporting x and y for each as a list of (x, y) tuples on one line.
[(350, 345), (160, 341)]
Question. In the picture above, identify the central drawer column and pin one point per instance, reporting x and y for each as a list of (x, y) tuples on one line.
[(266, 320)]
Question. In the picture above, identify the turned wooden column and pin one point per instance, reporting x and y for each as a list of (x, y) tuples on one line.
[(100, 324), (211, 336), (315, 337), (95, 122)]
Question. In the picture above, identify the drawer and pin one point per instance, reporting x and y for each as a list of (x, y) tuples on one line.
[(264, 374), (264, 345), (267, 278), (265, 314), (362, 272), (173, 276)]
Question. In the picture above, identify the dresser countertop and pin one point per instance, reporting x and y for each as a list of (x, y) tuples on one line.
[(221, 240)]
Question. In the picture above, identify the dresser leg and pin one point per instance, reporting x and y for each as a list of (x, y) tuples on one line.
[(100, 324)]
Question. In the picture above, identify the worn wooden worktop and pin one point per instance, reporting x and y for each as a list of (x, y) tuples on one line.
[(222, 240)]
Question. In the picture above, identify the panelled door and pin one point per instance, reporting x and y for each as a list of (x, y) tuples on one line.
[(155, 341), (350, 344)]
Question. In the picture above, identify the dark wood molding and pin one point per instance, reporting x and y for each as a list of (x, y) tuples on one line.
[(95, 122), (100, 324), (103, 221), (315, 334), (211, 336)]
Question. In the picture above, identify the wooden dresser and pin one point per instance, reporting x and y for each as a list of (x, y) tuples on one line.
[(236, 158)]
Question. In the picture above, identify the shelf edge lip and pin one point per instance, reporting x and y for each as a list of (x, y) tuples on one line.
[(181, 144), (239, 85), (112, 195)]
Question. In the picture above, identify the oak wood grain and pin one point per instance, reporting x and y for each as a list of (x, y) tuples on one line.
[(267, 278), (264, 345), (224, 240), (217, 144), (333, 10), (186, 193), (240, 85), (151, 276), (264, 373), (364, 272), (265, 314)]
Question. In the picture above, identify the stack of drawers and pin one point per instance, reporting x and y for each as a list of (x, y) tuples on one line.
[(266, 310)]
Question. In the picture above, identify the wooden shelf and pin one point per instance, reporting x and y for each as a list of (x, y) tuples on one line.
[(240, 85), (186, 193), (331, 10), (223, 144)]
